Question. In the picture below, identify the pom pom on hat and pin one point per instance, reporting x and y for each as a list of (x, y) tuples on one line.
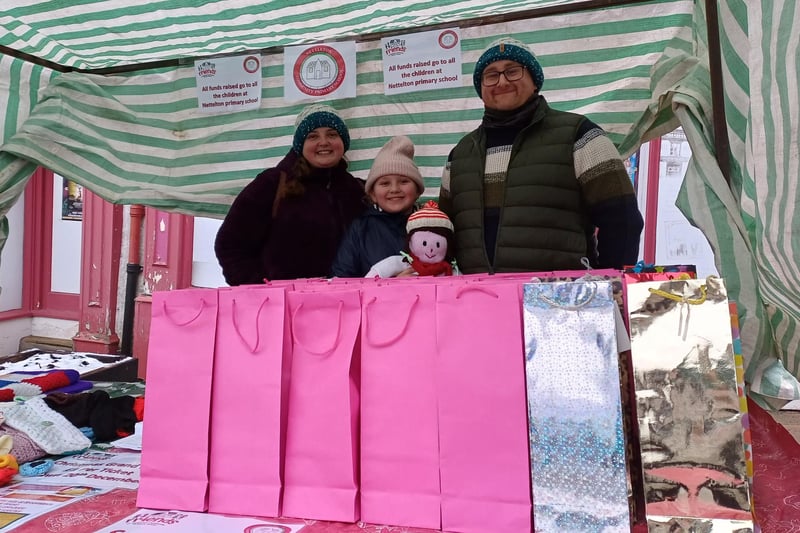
[(428, 216), (318, 116), (396, 157), (512, 50)]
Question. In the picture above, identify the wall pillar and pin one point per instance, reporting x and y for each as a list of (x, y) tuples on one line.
[(100, 260), (167, 265)]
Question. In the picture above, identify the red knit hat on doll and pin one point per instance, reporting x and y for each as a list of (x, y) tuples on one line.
[(430, 241)]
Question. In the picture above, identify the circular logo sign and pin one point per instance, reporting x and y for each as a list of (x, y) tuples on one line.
[(267, 528), (448, 39), (251, 64), (319, 70)]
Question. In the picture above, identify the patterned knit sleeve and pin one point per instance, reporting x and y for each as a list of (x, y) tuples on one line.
[(445, 200), (609, 196)]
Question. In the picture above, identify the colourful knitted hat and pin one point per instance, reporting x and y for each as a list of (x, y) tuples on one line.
[(397, 158), (513, 50), (428, 216), (318, 116)]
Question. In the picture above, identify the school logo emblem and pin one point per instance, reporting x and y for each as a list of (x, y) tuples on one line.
[(207, 69), (319, 70), (395, 47), (448, 39), (251, 64), (157, 518), (267, 528)]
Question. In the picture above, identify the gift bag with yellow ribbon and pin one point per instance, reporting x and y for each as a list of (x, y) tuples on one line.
[(688, 409)]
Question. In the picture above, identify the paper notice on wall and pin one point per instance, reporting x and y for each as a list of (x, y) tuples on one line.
[(422, 61), (324, 71), (228, 84)]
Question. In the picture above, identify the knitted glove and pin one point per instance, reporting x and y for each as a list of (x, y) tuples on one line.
[(388, 268)]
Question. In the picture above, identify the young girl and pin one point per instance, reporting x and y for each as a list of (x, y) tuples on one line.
[(288, 222), (394, 184)]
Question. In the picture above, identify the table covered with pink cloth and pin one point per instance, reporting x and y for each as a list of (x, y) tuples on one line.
[(776, 488)]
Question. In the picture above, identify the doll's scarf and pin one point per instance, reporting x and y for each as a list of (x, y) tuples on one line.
[(431, 269)]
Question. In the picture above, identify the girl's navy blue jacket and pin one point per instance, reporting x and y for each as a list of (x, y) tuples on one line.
[(374, 236)]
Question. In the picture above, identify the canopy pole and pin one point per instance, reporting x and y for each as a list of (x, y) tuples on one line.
[(722, 147)]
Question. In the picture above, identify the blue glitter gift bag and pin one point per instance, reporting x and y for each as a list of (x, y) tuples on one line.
[(577, 449)]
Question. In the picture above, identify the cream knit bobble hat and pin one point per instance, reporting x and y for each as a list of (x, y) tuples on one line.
[(396, 157)]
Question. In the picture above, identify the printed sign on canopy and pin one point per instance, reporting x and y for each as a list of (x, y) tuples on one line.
[(421, 61), (324, 71), (226, 84)]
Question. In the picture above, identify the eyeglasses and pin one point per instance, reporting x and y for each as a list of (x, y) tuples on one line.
[(492, 78)]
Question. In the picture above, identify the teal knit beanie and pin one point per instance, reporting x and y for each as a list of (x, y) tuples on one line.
[(318, 116), (513, 50)]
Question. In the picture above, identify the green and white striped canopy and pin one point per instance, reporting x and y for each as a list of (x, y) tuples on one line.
[(92, 34), (103, 93)]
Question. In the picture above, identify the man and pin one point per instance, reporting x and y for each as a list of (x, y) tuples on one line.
[(533, 188)]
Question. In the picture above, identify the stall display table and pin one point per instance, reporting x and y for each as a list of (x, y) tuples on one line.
[(91, 366), (96, 493)]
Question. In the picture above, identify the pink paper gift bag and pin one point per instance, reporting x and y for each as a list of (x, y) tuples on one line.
[(320, 480), (249, 401), (399, 428), (483, 432), (174, 471)]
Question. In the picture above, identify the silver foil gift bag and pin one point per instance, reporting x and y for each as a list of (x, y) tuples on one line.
[(690, 423), (577, 447)]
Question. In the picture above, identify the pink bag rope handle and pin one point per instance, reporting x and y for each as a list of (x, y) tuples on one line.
[(335, 341), (166, 313), (475, 287), (258, 330), (460, 292), (393, 339)]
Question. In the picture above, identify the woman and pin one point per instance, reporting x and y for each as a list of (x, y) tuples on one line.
[(288, 222)]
